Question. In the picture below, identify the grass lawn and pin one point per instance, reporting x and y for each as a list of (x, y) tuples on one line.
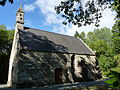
[(98, 87)]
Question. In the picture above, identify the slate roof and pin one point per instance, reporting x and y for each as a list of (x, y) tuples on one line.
[(39, 40)]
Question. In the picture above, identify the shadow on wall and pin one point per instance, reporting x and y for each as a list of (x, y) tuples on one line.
[(39, 43), (38, 68), (89, 71)]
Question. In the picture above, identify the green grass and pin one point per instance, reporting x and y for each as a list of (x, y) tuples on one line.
[(98, 87)]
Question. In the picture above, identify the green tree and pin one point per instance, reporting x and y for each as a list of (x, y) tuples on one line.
[(115, 72), (76, 34), (3, 40), (74, 12), (106, 62), (100, 40), (116, 7), (82, 36), (116, 36), (6, 38), (90, 37), (2, 27), (106, 43)]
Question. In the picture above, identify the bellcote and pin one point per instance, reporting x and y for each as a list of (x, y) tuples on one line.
[(20, 18)]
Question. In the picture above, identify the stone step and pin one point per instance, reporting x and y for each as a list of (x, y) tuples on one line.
[(4, 86)]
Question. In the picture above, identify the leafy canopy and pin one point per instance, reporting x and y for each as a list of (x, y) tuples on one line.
[(75, 12), (3, 2), (6, 38)]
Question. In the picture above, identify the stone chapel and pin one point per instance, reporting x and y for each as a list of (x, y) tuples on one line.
[(41, 58)]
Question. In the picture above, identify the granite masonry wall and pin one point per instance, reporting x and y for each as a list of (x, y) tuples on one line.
[(38, 68)]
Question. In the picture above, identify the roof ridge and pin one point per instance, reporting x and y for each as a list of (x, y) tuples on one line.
[(50, 32), (86, 45)]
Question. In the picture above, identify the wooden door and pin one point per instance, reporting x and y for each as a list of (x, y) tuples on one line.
[(58, 76)]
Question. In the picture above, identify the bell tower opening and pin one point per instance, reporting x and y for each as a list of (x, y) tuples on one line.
[(20, 18)]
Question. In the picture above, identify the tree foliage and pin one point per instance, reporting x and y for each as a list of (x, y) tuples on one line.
[(2, 27), (116, 7), (3, 40), (115, 79), (116, 36), (76, 34), (81, 35), (6, 38), (100, 41), (106, 62), (115, 72), (106, 43), (75, 12), (3, 2)]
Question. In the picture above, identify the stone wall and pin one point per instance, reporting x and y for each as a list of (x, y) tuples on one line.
[(38, 68), (86, 68)]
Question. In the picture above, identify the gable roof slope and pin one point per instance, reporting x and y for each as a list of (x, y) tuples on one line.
[(39, 40)]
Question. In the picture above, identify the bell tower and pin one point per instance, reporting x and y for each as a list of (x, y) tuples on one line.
[(20, 18)]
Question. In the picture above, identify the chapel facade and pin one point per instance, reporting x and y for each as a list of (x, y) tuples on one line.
[(41, 58)]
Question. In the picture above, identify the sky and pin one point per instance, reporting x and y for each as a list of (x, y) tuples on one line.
[(40, 14)]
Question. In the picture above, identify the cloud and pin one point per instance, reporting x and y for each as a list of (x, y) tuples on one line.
[(55, 21), (47, 9), (28, 8), (108, 18), (28, 23), (107, 21)]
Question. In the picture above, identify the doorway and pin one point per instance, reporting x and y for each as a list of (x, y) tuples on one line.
[(58, 75)]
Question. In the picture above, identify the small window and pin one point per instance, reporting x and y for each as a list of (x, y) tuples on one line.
[(20, 14), (20, 18)]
